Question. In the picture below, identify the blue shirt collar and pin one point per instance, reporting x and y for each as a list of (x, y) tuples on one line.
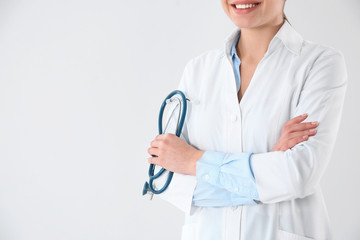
[(233, 47)]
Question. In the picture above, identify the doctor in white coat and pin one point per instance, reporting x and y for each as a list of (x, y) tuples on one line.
[(247, 166)]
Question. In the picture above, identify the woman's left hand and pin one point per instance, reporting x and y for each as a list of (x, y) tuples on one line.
[(174, 154)]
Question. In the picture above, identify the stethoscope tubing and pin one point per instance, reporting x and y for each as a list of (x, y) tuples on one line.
[(152, 177)]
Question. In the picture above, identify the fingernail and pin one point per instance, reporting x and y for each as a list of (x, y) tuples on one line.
[(312, 130), (314, 123), (305, 114), (304, 137)]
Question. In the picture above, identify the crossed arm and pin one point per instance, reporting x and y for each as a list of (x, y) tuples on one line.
[(176, 155)]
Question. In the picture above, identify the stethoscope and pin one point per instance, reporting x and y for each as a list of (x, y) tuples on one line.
[(181, 102)]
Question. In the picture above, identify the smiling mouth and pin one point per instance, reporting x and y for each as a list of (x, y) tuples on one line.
[(245, 6)]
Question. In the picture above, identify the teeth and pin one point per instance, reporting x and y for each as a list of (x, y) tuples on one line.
[(244, 6)]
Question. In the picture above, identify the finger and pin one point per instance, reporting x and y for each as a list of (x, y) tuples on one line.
[(302, 126), (165, 136), (162, 136), (310, 132), (155, 143), (154, 151), (297, 119), (292, 142), (159, 137), (154, 160)]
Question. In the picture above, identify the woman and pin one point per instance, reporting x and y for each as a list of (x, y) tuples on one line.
[(247, 166)]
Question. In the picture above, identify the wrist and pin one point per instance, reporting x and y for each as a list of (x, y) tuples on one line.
[(196, 157)]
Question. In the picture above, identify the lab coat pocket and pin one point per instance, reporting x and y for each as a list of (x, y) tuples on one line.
[(189, 231), (282, 235)]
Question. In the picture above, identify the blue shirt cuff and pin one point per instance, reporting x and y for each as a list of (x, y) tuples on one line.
[(230, 171)]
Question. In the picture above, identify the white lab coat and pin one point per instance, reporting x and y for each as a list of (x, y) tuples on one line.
[(294, 77)]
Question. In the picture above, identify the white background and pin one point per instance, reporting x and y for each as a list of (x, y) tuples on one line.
[(81, 83)]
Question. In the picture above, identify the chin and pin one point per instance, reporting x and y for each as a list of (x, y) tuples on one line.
[(245, 23)]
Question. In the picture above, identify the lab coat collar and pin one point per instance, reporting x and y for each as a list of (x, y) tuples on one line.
[(287, 35), (292, 40)]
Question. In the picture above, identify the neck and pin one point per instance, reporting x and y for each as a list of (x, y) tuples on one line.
[(254, 42)]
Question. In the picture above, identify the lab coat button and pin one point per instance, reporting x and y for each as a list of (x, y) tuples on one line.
[(234, 117)]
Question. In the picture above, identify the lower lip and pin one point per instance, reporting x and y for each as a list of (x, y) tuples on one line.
[(244, 11)]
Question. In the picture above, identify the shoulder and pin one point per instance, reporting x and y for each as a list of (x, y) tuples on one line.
[(321, 52), (209, 58), (202, 69), (326, 65)]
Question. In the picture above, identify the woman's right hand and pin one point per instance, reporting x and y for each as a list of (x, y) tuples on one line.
[(294, 132)]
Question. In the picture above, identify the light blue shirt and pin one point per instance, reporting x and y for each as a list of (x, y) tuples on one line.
[(236, 62), (225, 179)]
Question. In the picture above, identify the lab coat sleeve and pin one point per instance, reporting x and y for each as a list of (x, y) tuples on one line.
[(296, 172), (181, 189)]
